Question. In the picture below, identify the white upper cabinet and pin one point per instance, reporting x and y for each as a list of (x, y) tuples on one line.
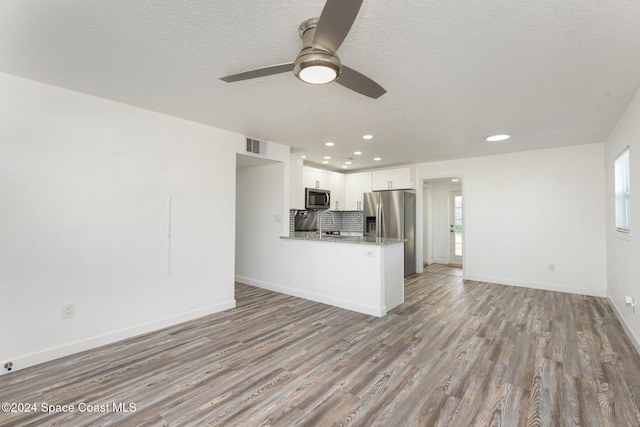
[(356, 185), (316, 178), (367, 183), (336, 185), (347, 190), (353, 187), (393, 179), (382, 180)]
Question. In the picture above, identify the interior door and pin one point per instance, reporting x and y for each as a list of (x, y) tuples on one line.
[(455, 230)]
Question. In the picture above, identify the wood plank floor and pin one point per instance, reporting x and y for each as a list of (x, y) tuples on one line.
[(456, 353)]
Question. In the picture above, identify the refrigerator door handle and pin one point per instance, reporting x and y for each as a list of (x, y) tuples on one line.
[(379, 220)]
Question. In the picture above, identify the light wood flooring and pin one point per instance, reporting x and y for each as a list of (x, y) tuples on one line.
[(456, 353)]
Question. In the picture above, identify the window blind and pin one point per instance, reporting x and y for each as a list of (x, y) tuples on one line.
[(623, 192)]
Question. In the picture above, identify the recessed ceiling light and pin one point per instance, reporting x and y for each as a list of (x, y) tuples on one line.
[(327, 157), (455, 180), (377, 159), (325, 162), (344, 166), (329, 144), (348, 162), (367, 136), (499, 137), (304, 157), (357, 153)]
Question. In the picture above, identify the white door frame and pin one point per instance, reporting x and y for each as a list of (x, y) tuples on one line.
[(453, 258), (421, 180)]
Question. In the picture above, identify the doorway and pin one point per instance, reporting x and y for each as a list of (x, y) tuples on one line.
[(260, 217), (443, 222)]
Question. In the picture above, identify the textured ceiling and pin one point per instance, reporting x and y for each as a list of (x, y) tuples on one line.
[(550, 73)]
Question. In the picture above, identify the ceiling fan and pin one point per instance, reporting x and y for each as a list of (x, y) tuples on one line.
[(317, 62)]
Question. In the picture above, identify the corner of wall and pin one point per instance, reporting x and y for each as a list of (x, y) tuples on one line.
[(627, 328)]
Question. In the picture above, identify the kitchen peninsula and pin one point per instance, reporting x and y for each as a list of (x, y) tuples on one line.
[(363, 274)]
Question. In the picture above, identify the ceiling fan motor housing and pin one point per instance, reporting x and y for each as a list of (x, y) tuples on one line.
[(310, 57)]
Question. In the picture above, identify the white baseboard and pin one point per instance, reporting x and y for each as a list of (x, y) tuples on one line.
[(324, 299), (534, 285), (625, 325), (21, 362)]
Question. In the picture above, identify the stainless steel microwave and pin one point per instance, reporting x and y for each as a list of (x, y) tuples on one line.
[(317, 199)]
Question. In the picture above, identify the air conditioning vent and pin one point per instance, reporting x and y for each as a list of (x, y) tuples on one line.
[(256, 146)]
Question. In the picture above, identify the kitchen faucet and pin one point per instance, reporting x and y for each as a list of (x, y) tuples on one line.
[(333, 218)]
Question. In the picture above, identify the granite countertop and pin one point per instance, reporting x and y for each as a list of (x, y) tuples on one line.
[(354, 240)]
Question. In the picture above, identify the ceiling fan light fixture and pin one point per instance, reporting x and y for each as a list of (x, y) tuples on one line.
[(318, 74), (317, 67)]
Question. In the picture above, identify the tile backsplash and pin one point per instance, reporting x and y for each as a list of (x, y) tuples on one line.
[(345, 221), (351, 221)]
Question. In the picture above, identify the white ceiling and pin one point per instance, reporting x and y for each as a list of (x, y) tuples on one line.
[(551, 73)]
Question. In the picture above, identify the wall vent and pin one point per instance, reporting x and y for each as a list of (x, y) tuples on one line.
[(256, 146)]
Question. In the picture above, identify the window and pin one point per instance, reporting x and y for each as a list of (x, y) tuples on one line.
[(623, 182), (457, 225)]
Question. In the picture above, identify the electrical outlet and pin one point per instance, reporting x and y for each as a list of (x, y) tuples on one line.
[(68, 311), (368, 254), (630, 302)]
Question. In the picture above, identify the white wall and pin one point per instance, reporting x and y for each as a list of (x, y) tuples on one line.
[(623, 269), (84, 193), (524, 211), (296, 193)]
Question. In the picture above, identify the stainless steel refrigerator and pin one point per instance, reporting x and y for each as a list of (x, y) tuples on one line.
[(393, 214)]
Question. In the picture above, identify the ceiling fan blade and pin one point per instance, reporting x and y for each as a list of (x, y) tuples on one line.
[(334, 23), (351, 79), (259, 72)]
